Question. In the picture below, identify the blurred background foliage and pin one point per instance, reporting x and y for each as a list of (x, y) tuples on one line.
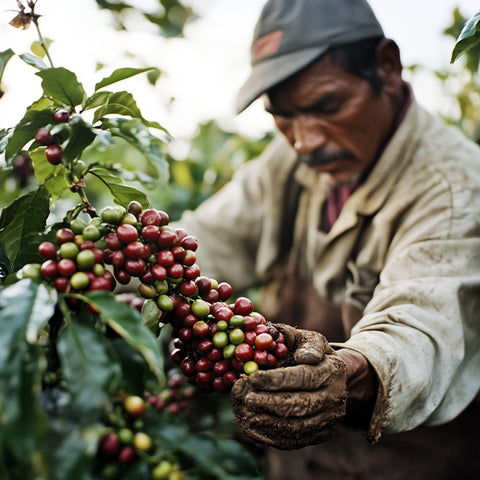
[(170, 16), (213, 154), (460, 83)]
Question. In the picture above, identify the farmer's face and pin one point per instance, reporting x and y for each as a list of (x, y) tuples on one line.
[(333, 119)]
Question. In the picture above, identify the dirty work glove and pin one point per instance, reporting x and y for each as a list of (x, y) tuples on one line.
[(294, 406)]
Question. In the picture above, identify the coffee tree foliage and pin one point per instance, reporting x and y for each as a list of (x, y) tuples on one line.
[(462, 84), (65, 374)]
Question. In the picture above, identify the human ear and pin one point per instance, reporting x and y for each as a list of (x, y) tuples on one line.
[(389, 65)]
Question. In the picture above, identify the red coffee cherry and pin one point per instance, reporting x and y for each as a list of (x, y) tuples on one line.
[(43, 137), (54, 154)]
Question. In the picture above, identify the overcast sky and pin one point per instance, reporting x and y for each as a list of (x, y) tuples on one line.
[(203, 71)]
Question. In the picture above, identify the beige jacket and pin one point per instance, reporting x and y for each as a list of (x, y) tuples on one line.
[(405, 250)]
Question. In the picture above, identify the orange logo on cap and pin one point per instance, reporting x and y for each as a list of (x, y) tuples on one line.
[(267, 45)]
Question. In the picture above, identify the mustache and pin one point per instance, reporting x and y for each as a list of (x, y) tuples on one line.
[(320, 157)]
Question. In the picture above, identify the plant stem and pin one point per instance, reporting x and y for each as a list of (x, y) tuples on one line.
[(86, 203), (35, 18)]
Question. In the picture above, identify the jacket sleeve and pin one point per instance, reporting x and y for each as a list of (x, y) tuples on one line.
[(421, 330), (237, 228)]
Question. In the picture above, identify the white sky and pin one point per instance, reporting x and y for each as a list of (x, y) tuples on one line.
[(205, 70)]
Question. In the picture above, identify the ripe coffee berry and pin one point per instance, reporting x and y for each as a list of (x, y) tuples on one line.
[(66, 267), (49, 268), (54, 154), (135, 267), (61, 115), (61, 284), (150, 233), (47, 250), (166, 238), (137, 249), (43, 137), (159, 272), (150, 216), (189, 243), (243, 306), (225, 291), (191, 272), (64, 235), (127, 233), (109, 444), (126, 455)]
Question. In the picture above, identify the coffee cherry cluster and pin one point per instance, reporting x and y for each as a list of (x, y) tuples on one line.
[(74, 264), (44, 137), (126, 439), (175, 398), (216, 343), (142, 245)]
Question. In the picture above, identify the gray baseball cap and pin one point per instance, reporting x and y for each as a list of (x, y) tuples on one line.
[(290, 34)]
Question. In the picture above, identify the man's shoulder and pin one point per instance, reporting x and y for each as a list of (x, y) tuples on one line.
[(444, 148), (275, 164)]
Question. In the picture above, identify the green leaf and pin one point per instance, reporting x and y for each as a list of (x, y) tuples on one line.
[(122, 74), (214, 456), (53, 177), (20, 226), (114, 6), (71, 456), (98, 99), (89, 369), (37, 115), (468, 38), (56, 185), (61, 85), (139, 137), (81, 136), (33, 61), (135, 371), (5, 56), (122, 193), (37, 48), (153, 76), (122, 103), (171, 18), (5, 136), (25, 307), (41, 166), (128, 323), (5, 267)]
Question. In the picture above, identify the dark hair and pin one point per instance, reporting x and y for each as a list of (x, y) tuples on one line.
[(358, 59)]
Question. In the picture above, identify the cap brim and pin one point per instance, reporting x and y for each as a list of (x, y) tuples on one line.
[(270, 72)]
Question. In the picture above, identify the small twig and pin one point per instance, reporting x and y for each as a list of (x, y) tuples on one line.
[(35, 18), (88, 207)]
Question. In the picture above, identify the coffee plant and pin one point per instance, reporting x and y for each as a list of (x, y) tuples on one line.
[(93, 386)]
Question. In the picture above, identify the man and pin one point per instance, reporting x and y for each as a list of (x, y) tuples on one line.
[(362, 224)]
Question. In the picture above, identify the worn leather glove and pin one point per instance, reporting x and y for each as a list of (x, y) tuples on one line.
[(294, 406)]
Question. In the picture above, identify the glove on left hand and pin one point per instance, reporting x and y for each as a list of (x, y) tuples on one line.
[(292, 407)]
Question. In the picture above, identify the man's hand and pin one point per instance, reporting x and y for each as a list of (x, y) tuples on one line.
[(292, 407)]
